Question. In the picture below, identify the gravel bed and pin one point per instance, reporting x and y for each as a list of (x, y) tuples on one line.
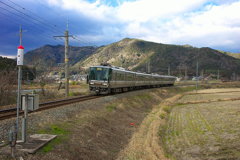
[(46, 117)]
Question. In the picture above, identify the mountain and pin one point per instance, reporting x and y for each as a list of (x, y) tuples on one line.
[(7, 63), (48, 56), (9, 66), (135, 54), (235, 55)]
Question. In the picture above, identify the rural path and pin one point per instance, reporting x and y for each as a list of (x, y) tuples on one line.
[(144, 144)]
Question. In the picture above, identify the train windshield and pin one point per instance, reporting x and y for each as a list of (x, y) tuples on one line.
[(98, 73)]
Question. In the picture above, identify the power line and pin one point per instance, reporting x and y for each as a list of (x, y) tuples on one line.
[(16, 21), (30, 17), (21, 18), (40, 19), (53, 25), (38, 22)]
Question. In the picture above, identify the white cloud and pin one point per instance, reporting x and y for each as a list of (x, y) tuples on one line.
[(214, 26), (213, 23), (95, 10), (7, 56), (147, 10)]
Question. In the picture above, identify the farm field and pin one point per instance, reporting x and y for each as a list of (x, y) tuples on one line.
[(204, 130), (211, 95)]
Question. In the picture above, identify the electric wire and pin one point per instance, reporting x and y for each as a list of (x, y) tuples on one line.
[(32, 30), (43, 19), (36, 15), (16, 16), (29, 17), (37, 21)]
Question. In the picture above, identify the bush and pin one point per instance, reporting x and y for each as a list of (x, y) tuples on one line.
[(74, 83), (8, 94), (162, 115), (167, 109), (111, 107)]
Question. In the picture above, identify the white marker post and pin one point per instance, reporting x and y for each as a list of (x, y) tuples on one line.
[(20, 55)]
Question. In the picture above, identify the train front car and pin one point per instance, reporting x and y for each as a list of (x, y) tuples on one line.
[(98, 79)]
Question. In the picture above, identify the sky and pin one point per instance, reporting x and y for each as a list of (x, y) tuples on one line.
[(199, 23)]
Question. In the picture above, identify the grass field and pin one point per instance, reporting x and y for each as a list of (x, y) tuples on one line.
[(204, 130)]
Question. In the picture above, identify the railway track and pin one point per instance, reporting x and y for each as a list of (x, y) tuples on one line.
[(9, 113)]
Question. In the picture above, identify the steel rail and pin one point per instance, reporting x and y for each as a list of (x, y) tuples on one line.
[(11, 112)]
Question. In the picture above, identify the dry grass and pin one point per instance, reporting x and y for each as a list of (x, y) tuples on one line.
[(7, 88), (144, 144), (100, 132), (51, 92), (204, 130), (204, 98), (217, 90)]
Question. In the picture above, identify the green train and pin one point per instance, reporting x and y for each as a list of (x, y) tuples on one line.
[(108, 79)]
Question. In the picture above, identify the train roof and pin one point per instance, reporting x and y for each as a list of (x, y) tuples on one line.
[(113, 67), (138, 73)]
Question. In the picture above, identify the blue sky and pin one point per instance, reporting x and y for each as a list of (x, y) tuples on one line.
[(200, 23)]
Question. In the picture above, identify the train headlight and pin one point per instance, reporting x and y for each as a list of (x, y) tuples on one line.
[(105, 84)]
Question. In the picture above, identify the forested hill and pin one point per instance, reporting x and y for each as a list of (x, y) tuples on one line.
[(7, 64), (48, 56), (136, 54)]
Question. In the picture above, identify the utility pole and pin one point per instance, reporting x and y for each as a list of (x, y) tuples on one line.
[(66, 36), (122, 61), (148, 67), (197, 76), (19, 64), (218, 75), (185, 77), (202, 73), (169, 69)]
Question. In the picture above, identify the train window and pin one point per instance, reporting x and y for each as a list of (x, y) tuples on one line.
[(99, 73), (122, 76), (110, 74), (126, 76), (119, 76), (115, 76)]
